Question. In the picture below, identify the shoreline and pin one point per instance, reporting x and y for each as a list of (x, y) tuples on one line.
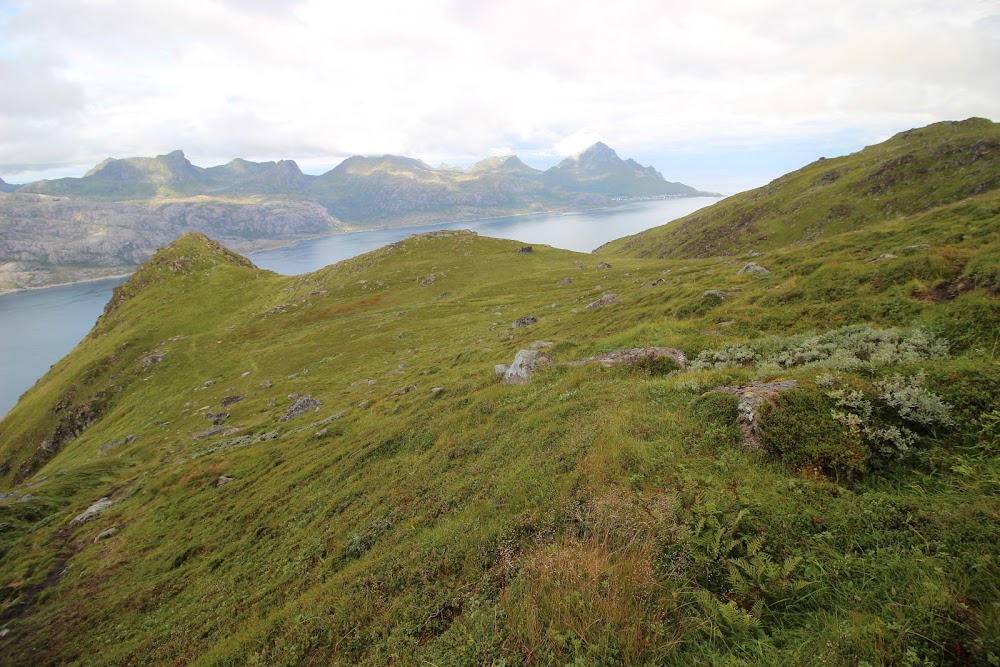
[(276, 244)]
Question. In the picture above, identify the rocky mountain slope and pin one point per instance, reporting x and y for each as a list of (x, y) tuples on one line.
[(455, 451), (147, 202)]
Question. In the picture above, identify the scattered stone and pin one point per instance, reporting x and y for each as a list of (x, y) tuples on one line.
[(208, 383), (526, 363), (92, 511), (320, 433), (364, 404), (301, 406), (658, 281), (565, 281), (404, 390), (541, 345), (246, 373), (106, 534), (752, 396), (292, 396), (884, 256), (229, 400), (216, 417), (713, 294), (606, 300), (582, 267), (317, 292), (367, 381), (429, 280), (222, 481), (603, 265), (755, 268), (523, 321), (232, 431), (229, 389), (402, 334), (753, 253), (442, 295), (436, 390), (4, 632), (400, 313), (727, 323), (523, 250), (268, 384), (151, 359), (633, 355)]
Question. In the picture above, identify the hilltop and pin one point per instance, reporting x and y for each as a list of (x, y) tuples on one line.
[(779, 460), (120, 211), (943, 164)]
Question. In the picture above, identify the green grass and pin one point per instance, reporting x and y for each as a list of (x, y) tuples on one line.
[(593, 516)]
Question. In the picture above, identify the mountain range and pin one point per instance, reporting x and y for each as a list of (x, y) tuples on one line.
[(121, 210), (765, 435)]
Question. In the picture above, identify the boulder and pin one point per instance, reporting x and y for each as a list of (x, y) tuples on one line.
[(229, 400), (523, 250), (404, 390), (526, 363), (303, 404), (606, 300), (92, 511), (106, 534), (753, 267), (222, 481), (603, 265), (752, 397), (523, 321)]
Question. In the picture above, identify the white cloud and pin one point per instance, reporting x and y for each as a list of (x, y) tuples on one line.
[(452, 80)]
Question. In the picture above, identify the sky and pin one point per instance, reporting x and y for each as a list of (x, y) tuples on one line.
[(720, 94)]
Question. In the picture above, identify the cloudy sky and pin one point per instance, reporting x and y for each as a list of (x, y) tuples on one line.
[(721, 94)]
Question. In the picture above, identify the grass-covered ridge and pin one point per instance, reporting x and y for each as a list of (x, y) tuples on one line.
[(591, 516), (912, 173)]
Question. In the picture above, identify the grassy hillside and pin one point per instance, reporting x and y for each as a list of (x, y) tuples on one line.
[(912, 173), (593, 516)]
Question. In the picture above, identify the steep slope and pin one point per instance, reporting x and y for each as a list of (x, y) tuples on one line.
[(504, 163), (7, 187), (325, 469), (129, 178), (599, 169), (913, 172)]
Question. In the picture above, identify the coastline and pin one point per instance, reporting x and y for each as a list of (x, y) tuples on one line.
[(287, 243)]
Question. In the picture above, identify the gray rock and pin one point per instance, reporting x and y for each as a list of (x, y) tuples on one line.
[(526, 363), (429, 280), (565, 281), (229, 400), (603, 265), (541, 345), (436, 390), (404, 390), (523, 321), (752, 396), (304, 404), (106, 534), (884, 256), (710, 294), (753, 253), (151, 359), (216, 417), (108, 445), (268, 384), (753, 267), (92, 511), (208, 383), (208, 433), (222, 481), (523, 250), (501, 369), (606, 300)]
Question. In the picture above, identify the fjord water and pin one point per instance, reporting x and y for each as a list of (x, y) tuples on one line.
[(39, 327)]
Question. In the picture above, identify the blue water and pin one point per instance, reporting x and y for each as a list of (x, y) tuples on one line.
[(39, 327)]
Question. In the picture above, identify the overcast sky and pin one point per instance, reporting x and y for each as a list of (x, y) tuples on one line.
[(720, 94)]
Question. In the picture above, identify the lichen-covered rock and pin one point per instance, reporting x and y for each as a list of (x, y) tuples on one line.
[(92, 511), (523, 250), (526, 363), (754, 267), (303, 404), (606, 300), (523, 321), (752, 396)]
